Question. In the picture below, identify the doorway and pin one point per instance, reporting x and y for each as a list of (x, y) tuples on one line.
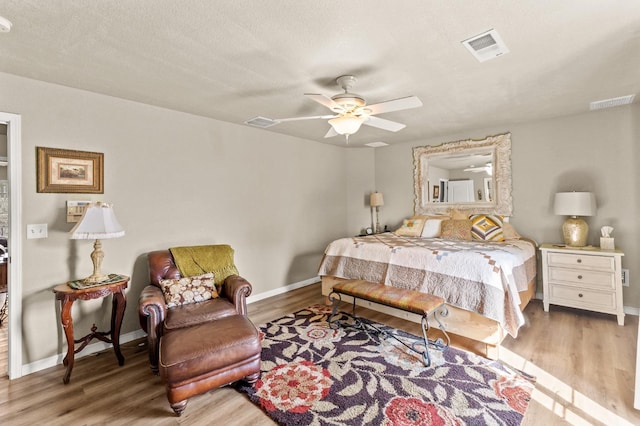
[(4, 257), (11, 127)]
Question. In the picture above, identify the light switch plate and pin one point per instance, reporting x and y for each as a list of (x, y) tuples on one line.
[(38, 230)]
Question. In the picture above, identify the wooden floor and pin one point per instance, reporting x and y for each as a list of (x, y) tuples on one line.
[(584, 364)]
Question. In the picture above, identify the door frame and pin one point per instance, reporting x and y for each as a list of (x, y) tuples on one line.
[(14, 273)]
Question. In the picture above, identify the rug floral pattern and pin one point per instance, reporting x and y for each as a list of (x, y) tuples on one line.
[(313, 374)]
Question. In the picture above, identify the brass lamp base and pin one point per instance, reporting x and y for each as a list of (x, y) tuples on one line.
[(575, 231)]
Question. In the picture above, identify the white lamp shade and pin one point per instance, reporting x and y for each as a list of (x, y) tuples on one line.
[(98, 222), (574, 204), (346, 124), (376, 199)]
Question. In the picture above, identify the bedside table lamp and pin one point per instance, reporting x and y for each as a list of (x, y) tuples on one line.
[(376, 200), (575, 230), (98, 222)]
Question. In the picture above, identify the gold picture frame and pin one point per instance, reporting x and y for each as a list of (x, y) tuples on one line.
[(67, 171)]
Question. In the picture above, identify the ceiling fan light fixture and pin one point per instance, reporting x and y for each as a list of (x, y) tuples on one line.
[(349, 101), (346, 124)]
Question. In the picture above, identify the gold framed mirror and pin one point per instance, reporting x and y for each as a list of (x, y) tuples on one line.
[(470, 175)]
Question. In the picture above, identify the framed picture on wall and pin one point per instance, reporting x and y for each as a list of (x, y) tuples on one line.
[(67, 171), (436, 193)]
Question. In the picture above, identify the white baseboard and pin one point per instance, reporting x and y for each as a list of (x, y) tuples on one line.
[(54, 360), (630, 310), (281, 290)]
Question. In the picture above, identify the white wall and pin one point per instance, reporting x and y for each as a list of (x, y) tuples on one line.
[(174, 179), (596, 151), (178, 179), (360, 185)]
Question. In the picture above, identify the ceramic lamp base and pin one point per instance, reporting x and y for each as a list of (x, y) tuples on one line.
[(575, 231)]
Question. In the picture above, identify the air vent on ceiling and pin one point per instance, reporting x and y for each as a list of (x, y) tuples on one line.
[(485, 46), (610, 103), (376, 144), (261, 122)]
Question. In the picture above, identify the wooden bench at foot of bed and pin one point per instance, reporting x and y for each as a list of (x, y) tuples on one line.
[(425, 305), (458, 321)]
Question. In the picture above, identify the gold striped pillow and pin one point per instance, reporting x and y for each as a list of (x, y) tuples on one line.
[(486, 227)]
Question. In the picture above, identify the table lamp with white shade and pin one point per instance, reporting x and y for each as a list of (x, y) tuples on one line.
[(98, 222), (574, 204), (376, 200)]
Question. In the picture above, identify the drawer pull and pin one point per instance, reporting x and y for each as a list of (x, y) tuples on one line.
[(579, 294), (579, 277), (579, 260)]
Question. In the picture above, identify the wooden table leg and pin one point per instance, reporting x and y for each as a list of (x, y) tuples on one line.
[(67, 324), (117, 313)]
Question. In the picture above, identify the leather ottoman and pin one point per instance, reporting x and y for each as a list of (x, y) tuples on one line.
[(202, 357)]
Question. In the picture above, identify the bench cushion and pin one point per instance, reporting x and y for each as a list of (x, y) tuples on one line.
[(407, 300)]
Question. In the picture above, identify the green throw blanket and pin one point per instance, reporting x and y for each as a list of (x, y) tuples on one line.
[(198, 260)]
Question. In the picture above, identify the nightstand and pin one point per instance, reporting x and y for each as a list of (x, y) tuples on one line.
[(584, 278)]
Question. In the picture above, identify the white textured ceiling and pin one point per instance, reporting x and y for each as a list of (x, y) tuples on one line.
[(233, 60)]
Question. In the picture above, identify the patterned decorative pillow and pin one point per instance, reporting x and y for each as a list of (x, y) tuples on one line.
[(189, 290), (459, 229), (487, 227), (410, 228), (457, 214)]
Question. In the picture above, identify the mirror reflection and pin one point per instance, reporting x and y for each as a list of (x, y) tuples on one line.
[(472, 175), (463, 178)]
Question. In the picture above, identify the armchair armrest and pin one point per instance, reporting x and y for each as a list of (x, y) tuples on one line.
[(152, 309), (237, 289)]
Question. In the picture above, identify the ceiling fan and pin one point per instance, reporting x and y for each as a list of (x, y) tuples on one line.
[(487, 168), (349, 110)]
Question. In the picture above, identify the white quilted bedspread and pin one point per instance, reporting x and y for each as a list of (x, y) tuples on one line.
[(479, 276)]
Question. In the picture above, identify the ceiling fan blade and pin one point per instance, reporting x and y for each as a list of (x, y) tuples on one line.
[(331, 133), (315, 117), (393, 105), (326, 101), (383, 124)]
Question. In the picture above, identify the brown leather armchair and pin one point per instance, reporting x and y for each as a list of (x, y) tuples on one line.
[(156, 318)]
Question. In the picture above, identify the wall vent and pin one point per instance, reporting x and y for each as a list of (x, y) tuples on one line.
[(485, 46), (261, 122), (610, 103)]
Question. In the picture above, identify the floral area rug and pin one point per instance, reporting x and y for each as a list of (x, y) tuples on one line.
[(313, 374)]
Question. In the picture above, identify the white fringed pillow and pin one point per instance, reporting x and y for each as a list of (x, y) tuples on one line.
[(432, 228), (188, 290)]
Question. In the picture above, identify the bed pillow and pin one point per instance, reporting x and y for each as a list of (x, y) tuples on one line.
[(410, 228), (510, 232), (458, 215), (432, 228), (456, 229), (487, 227), (188, 290)]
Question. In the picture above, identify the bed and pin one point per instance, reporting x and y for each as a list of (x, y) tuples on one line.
[(486, 284)]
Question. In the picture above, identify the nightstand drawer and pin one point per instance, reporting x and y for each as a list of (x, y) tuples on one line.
[(603, 263), (596, 279), (581, 298)]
